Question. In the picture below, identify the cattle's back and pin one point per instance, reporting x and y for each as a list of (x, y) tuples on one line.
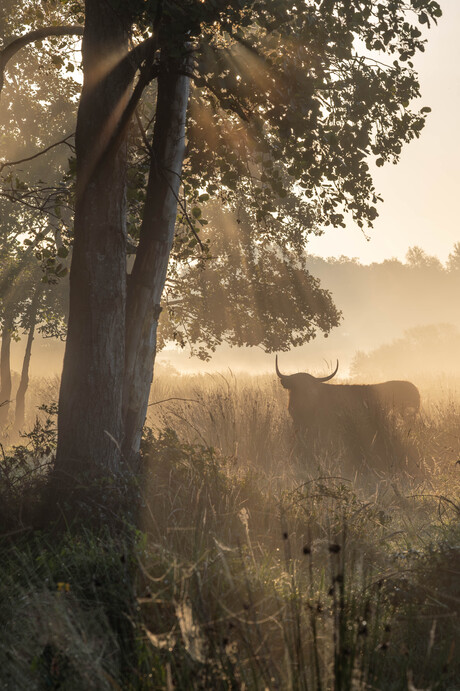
[(398, 395), (320, 405)]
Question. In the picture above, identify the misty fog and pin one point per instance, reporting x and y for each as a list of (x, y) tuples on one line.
[(399, 320)]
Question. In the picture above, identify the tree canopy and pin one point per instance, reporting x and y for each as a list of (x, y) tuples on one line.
[(272, 107)]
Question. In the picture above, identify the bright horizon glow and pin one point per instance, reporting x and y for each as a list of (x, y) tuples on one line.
[(420, 192)]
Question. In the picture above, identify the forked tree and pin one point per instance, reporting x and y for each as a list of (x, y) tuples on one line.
[(274, 104)]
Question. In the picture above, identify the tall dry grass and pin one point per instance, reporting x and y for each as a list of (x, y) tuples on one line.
[(242, 416), (245, 417), (258, 562)]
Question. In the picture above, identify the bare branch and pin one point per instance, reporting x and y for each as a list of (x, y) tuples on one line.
[(37, 35), (39, 153), (174, 398), (35, 207)]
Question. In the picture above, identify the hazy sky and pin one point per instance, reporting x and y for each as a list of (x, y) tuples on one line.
[(421, 192)]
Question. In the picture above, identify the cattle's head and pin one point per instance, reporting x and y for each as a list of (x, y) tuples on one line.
[(306, 393), (302, 379)]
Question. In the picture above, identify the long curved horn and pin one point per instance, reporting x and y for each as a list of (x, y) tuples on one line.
[(330, 375), (281, 376)]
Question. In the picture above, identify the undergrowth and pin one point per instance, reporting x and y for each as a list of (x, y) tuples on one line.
[(248, 566)]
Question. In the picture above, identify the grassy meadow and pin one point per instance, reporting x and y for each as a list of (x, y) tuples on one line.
[(249, 559)]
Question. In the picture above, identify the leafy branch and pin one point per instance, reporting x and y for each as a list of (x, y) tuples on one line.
[(37, 35)]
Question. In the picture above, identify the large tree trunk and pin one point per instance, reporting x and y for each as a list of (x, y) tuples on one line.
[(148, 277), (90, 402), (19, 410), (5, 371)]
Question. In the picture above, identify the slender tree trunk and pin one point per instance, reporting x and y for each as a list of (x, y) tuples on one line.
[(90, 402), (148, 277), (19, 411), (5, 371)]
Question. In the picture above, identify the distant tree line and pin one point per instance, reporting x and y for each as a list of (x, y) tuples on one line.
[(400, 317), (421, 351)]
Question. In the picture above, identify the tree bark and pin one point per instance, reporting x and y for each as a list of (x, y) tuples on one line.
[(19, 410), (90, 401), (5, 371), (148, 277)]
